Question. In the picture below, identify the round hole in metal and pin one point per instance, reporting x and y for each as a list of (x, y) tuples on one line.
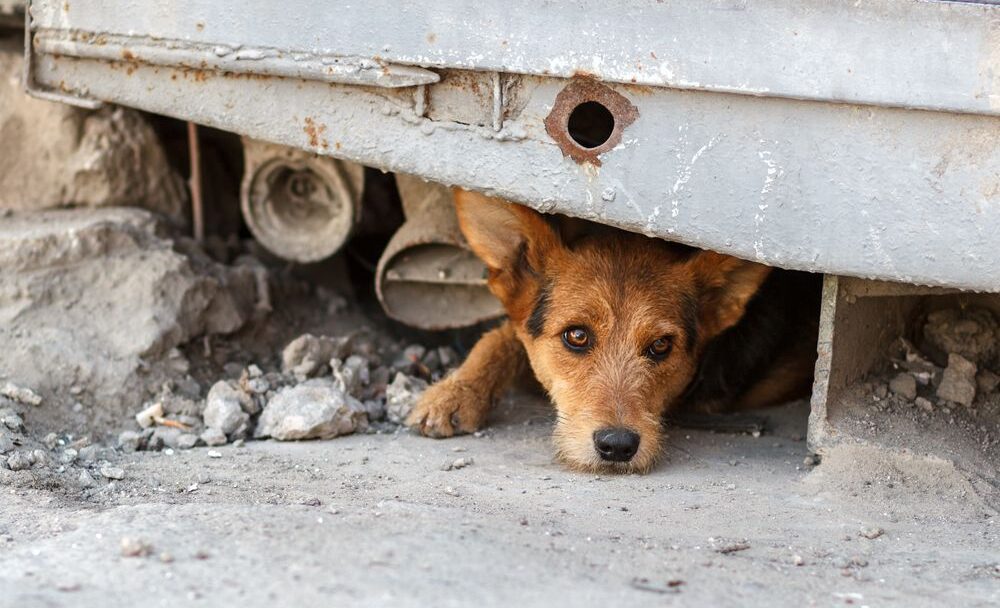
[(590, 124)]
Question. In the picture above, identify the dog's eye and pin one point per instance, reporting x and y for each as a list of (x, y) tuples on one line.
[(660, 348), (576, 338)]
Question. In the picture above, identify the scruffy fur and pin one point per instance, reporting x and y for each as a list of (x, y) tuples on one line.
[(736, 332)]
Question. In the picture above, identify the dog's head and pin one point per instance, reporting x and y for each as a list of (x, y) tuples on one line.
[(613, 323)]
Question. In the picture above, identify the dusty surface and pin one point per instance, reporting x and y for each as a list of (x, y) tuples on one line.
[(375, 520)]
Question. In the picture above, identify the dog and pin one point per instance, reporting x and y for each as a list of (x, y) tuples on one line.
[(621, 329)]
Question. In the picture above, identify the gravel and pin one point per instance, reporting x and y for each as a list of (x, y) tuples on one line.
[(315, 409)]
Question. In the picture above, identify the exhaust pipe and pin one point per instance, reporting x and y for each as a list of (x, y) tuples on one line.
[(299, 206), (427, 277)]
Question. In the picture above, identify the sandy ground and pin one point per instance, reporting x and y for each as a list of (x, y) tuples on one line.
[(728, 519)]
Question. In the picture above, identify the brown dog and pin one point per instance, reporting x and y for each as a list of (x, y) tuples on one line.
[(619, 329)]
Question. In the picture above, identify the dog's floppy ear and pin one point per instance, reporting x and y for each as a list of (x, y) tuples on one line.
[(504, 234), (726, 285)]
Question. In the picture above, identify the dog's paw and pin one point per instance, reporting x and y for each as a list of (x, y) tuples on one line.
[(447, 408)]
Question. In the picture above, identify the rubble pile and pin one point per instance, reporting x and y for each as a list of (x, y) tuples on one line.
[(953, 369), (326, 387)]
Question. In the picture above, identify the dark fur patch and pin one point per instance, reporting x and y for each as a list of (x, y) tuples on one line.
[(690, 320), (536, 322), (775, 317)]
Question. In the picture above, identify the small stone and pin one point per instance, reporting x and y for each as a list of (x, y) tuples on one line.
[(187, 441), (881, 391), (306, 355), (871, 533), (924, 404), (312, 502), (450, 491), (958, 383), (811, 460), (19, 394), (253, 371), (905, 386), (13, 421), (112, 472), (166, 558), (223, 409), (131, 441), (88, 453), (797, 560), (204, 477), (86, 479), (410, 356), (165, 436), (214, 454), (39, 457), (51, 441), (19, 461), (68, 456), (213, 437), (447, 356), (402, 395), (987, 381), (134, 547), (147, 417), (6, 443), (315, 409)]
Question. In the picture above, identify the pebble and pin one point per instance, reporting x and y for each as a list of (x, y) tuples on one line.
[(20, 394), (402, 395), (958, 383), (458, 463), (19, 461), (187, 441), (987, 381), (924, 404), (871, 533), (811, 460), (131, 441), (86, 479), (904, 385), (213, 437), (204, 478), (224, 410), (214, 454), (134, 547), (112, 472), (450, 491), (6, 443)]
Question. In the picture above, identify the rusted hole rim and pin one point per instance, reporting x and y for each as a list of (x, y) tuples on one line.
[(577, 93)]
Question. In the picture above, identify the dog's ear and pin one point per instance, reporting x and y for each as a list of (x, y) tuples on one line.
[(726, 285), (504, 235)]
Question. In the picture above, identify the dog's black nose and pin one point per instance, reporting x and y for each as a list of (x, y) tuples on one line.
[(616, 445)]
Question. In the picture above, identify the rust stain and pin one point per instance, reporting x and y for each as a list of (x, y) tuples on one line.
[(199, 26), (431, 38), (315, 131), (66, 7), (580, 91)]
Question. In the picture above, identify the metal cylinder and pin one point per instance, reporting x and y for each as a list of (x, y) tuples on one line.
[(427, 277), (300, 206)]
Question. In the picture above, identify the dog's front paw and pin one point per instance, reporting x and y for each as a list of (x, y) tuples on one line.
[(449, 407)]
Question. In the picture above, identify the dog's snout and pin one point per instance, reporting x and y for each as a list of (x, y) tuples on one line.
[(616, 445)]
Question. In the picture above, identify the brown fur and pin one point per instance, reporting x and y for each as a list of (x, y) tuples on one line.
[(628, 291)]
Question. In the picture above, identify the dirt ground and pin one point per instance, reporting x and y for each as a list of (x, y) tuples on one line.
[(728, 519)]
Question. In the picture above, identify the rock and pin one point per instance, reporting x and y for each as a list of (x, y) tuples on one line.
[(18, 461), (98, 299), (12, 420), (871, 533), (112, 472), (881, 391), (147, 417), (131, 441), (402, 395), (924, 404), (224, 409), (306, 355), (51, 441), (904, 385), (134, 547), (213, 437), (86, 479), (970, 332), (315, 409), (6, 443), (447, 356), (67, 156), (187, 441), (987, 381), (958, 383), (351, 374), (411, 356), (19, 394), (165, 437)]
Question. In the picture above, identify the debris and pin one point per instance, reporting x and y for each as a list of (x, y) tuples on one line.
[(871, 533), (402, 395), (904, 385), (644, 584), (306, 355), (19, 394), (315, 409), (971, 333), (958, 383), (147, 417), (134, 547), (223, 410), (987, 381), (112, 472)]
